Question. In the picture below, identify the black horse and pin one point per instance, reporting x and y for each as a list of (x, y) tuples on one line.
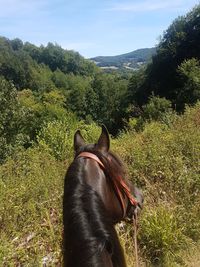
[(95, 199)]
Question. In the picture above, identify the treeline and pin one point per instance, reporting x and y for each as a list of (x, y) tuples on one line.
[(43, 84)]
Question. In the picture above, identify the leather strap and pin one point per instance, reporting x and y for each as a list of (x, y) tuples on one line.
[(91, 156), (121, 187)]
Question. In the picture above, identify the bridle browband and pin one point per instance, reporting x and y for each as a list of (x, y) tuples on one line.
[(121, 188)]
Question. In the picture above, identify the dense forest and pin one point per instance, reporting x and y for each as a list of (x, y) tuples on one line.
[(47, 92)]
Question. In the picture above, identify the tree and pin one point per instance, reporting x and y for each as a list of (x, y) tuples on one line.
[(109, 91), (60, 79), (189, 91), (136, 90), (156, 108), (16, 44), (9, 110)]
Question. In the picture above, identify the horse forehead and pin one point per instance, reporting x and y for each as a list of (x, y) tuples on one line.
[(94, 173), (89, 147)]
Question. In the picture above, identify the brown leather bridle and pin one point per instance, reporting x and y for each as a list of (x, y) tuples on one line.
[(120, 186)]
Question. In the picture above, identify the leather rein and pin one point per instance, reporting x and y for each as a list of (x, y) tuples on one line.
[(120, 187)]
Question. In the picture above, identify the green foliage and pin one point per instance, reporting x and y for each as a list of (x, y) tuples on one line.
[(99, 99), (57, 58), (39, 78), (60, 79), (189, 72), (135, 87), (108, 93), (40, 68), (87, 92), (160, 234), (9, 119), (76, 98), (9, 108), (90, 132), (156, 109), (11, 63), (180, 42), (56, 137), (110, 98), (16, 44), (30, 196), (39, 111), (53, 104), (164, 160)]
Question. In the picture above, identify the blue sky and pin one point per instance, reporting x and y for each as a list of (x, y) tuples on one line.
[(91, 27)]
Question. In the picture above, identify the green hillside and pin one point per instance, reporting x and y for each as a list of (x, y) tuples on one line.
[(132, 60)]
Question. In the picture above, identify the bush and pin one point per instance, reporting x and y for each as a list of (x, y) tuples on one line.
[(160, 234), (157, 108), (56, 139), (57, 136)]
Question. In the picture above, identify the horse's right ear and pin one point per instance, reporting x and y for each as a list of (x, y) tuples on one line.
[(78, 140), (103, 143)]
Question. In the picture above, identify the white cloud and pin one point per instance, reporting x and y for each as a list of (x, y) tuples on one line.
[(153, 5)]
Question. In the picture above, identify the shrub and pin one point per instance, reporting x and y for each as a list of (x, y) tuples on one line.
[(160, 234), (57, 139)]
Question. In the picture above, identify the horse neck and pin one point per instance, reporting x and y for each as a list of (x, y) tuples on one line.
[(95, 176), (88, 229)]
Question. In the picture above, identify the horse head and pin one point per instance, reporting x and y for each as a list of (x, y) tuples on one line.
[(112, 184)]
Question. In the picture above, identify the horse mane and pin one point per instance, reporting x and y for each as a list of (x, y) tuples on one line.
[(86, 218)]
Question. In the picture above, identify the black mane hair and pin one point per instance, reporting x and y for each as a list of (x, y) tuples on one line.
[(86, 219)]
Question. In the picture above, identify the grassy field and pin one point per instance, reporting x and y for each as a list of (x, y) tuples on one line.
[(163, 159)]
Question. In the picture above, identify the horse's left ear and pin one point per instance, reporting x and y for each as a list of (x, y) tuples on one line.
[(103, 143)]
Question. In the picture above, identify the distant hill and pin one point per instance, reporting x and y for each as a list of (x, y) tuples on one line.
[(132, 60)]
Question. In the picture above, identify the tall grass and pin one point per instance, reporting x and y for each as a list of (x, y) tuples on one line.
[(162, 159), (30, 221)]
